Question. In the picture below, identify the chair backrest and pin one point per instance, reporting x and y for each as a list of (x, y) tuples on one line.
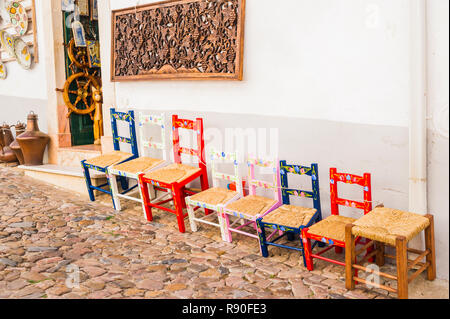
[(286, 191), (156, 120), (363, 181), (231, 157), (129, 118), (253, 183), (197, 127)]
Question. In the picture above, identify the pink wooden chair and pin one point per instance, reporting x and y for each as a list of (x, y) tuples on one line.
[(249, 208)]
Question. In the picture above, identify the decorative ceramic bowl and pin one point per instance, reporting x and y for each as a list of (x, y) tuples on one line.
[(18, 16), (23, 54), (3, 73), (7, 42)]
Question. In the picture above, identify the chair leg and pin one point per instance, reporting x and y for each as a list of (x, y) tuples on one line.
[(226, 231), (142, 196), (87, 177), (262, 238), (177, 201), (145, 199), (191, 214), (114, 191), (307, 249), (349, 257), (402, 267), (303, 248), (204, 186), (124, 183), (429, 244), (380, 260)]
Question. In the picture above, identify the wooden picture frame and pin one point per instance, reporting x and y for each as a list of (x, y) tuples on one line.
[(94, 10), (213, 50)]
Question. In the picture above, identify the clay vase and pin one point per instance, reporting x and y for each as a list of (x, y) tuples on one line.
[(6, 153), (20, 128), (33, 142)]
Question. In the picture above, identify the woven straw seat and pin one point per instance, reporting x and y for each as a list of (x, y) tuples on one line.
[(332, 227), (109, 159), (385, 224), (214, 196), (291, 216), (252, 205), (141, 164), (173, 173)]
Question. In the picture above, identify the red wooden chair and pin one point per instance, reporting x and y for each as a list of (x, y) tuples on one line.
[(174, 178), (331, 230)]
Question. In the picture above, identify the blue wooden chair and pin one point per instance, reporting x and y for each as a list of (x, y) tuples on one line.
[(289, 220), (101, 163)]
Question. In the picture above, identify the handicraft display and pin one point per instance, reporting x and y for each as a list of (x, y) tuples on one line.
[(83, 7), (3, 73), (7, 42), (19, 22), (182, 39), (22, 53), (18, 16)]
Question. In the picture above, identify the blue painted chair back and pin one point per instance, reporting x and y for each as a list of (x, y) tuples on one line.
[(132, 140), (286, 192)]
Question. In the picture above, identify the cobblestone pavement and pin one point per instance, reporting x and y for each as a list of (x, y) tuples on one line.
[(45, 232)]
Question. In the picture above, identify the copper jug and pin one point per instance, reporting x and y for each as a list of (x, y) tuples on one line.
[(20, 128), (6, 138), (33, 142)]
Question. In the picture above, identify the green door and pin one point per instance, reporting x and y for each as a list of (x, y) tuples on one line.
[(81, 126)]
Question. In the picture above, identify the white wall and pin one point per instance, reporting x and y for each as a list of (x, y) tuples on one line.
[(438, 125), (345, 64), (325, 59)]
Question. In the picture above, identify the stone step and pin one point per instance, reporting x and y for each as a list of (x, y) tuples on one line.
[(69, 178), (72, 156)]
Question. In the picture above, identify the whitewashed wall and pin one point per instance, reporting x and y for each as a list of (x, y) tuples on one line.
[(325, 59)]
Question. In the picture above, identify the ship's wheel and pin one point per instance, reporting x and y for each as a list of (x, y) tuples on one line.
[(77, 93), (78, 56)]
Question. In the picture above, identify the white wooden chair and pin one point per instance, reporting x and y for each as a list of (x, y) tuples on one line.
[(132, 169), (215, 198)]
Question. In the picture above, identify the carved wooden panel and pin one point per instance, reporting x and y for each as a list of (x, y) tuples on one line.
[(178, 39)]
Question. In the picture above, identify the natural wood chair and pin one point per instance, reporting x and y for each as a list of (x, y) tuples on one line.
[(385, 226), (215, 198), (289, 219), (175, 177), (331, 230), (249, 208), (101, 163), (132, 169)]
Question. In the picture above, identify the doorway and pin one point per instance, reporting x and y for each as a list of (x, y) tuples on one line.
[(82, 69)]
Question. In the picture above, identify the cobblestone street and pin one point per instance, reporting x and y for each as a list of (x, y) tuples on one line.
[(43, 230)]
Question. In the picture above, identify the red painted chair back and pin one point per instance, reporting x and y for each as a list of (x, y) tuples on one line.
[(363, 181), (197, 127)]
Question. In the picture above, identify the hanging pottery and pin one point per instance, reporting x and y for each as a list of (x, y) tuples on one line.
[(3, 73), (19, 17), (7, 42), (78, 34), (23, 54)]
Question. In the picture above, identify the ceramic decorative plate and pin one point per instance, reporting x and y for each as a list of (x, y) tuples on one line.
[(19, 17), (7, 42), (23, 54), (3, 73)]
